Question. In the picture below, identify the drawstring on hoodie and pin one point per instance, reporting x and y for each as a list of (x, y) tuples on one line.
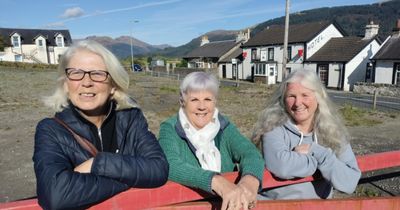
[(302, 137)]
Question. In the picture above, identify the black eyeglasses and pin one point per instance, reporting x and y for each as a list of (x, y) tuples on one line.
[(79, 74)]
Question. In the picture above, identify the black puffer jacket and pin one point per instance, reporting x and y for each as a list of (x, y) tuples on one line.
[(140, 161)]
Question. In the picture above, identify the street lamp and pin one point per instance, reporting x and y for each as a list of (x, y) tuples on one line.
[(133, 22)]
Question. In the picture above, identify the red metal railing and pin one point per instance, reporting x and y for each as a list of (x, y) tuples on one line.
[(173, 193)]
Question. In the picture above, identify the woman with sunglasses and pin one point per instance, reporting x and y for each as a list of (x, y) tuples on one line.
[(90, 100)]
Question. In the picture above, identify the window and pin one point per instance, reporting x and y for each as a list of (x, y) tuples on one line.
[(18, 58), (15, 41), (199, 64), (259, 69), (270, 54), (397, 75), (40, 43), (59, 41), (271, 71), (288, 70), (289, 53), (253, 54)]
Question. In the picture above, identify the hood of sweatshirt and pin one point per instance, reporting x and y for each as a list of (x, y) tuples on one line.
[(303, 137)]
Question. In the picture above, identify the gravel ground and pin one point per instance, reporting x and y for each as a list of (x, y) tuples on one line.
[(21, 108)]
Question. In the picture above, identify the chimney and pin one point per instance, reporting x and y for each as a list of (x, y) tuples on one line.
[(243, 36), (204, 40), (396, 29), (371, 30)]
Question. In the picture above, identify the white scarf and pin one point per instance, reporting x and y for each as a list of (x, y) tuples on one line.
[(203, 141)]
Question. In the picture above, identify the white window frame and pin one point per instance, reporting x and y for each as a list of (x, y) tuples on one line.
[(60, 41), (18, 58), (397, 75), (40, 43), (271, 54), (259, 69), (16, 43)]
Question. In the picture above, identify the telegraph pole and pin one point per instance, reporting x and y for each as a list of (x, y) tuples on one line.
[(285, 40)]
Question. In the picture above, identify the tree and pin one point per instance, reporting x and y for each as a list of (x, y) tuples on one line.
[(183, 63)]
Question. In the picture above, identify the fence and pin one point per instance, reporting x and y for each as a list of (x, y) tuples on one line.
[(366, 101), (174, 196), (164, 74), (341, 98)]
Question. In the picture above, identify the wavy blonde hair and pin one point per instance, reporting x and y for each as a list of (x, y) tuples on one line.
[(328, 125), (119, 77)]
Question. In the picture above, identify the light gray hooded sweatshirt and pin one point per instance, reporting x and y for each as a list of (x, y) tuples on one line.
[(282, 161)]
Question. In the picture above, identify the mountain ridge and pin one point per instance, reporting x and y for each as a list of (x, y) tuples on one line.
[(352, 19)]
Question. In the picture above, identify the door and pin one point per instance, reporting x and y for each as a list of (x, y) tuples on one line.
[(323, 74), (368, 73), (234, 71), (223, 71), (271, 74)]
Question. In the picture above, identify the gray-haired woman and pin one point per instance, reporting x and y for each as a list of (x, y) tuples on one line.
[(200, 144), (300, 132), (91, 101)]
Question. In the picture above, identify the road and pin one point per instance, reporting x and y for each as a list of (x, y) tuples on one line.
[(341, 98), (365, 101)]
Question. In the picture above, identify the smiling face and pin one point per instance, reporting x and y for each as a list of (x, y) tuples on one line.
[(199, 107), (301, 104), (89, 96)]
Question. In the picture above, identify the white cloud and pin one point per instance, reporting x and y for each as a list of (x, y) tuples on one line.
[(72, 13)]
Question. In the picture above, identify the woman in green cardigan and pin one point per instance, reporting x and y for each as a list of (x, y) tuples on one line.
[(200, 144)]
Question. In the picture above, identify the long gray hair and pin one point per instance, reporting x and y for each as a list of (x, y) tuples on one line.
[(119, 77), (328, 126)]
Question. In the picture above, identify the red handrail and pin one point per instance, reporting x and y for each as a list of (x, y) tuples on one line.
[(173, 193), (375, 203)]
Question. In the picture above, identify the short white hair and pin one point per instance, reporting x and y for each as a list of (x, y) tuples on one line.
[(198, 81)]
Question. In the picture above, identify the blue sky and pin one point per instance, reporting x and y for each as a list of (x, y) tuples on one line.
[(173, 22)]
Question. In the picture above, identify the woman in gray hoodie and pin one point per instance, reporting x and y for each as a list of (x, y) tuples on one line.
[(301, 134)]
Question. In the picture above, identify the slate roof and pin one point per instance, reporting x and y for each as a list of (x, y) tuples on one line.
[(300, 33), (212, 49), (390, 50), (340, 49), (235, 54), (28, 36)]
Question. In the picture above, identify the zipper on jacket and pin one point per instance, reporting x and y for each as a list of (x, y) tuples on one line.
[(101, 139)]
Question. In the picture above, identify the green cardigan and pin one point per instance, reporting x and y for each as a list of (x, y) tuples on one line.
[(184, 168)]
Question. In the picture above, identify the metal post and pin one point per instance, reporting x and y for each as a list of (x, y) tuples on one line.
[(285, 40), (237, 75), (133, 22), (375, 97)]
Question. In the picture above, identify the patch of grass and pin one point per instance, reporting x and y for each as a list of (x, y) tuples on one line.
[(169, 89), (357, 117), (366, 192)]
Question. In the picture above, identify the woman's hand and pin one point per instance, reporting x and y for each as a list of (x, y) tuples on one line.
[(249, 185), (84, 167), (303, 149), (230, 193)]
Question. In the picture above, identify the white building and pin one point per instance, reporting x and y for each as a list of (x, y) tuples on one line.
[(343, 61), (386, 62), (222, 56), (34, 45), (265, 49)]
